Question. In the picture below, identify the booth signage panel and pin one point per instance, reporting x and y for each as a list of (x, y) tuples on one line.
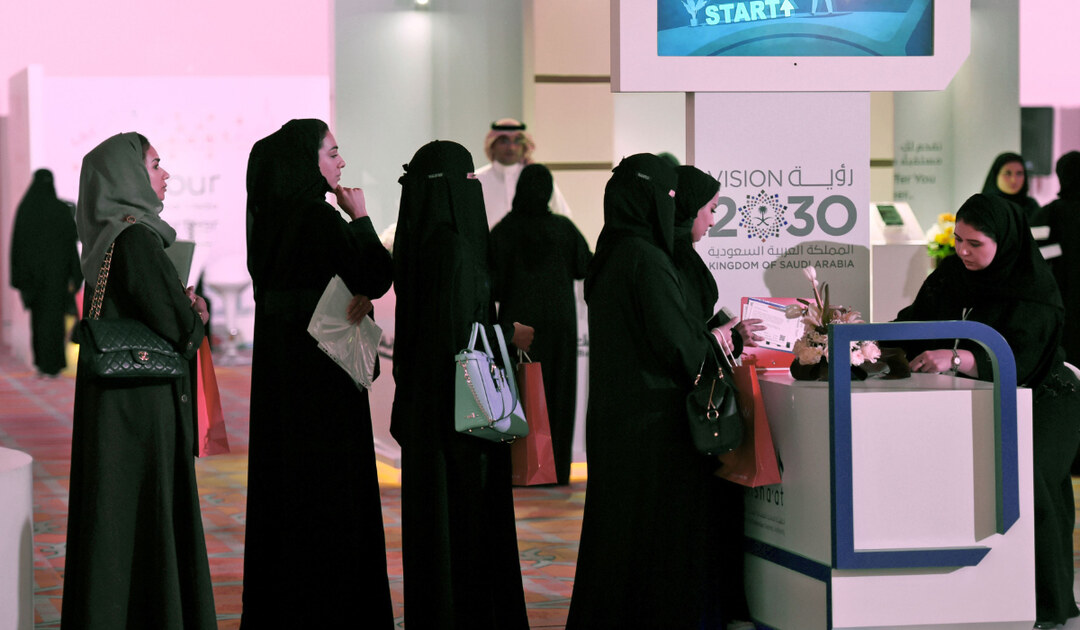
[(794, 173)]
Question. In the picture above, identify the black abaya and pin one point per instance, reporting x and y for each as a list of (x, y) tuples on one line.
[(641, 562), (45, 268), (536, 256), (311, 455), (459, 542)]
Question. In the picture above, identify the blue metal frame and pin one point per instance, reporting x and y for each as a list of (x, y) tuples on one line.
[(845, 556)]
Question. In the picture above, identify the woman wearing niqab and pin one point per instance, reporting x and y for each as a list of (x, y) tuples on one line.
[(311, 461), (459, 542), (536, 256), (136, 556), (1015, 294), (45, 268), (1009, 169), (640, 562)]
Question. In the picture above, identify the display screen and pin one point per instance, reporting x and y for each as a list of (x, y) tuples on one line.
[(795, 28), (889, 215)]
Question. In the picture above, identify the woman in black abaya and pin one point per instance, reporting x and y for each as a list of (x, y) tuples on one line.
[(45, 268), (999, 278), (1008, 179), (536, 256), (136, 556), (311, 461), (1063, 217), (459, 542), (642, 561)]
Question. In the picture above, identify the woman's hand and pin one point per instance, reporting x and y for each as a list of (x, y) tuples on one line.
[(523, 336), (351, 200), (747, 329), (723, 336), (932, 361), (358, 308), (198, 305)]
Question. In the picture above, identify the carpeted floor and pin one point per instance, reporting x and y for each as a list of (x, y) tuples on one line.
[(35, 417)]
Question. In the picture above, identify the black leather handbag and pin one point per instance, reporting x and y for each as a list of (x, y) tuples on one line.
[(712, 407), (124, 348)]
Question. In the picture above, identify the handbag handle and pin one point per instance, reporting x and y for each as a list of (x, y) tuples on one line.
[(478, 330), (506, 360), (99, 287)]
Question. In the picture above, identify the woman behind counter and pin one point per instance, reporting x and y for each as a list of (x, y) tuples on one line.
[(311, 463), (536, 256), (642, 561), (999, 278), (459, 542), (136, 556)]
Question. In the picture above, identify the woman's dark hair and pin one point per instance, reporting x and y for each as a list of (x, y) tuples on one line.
[(974, 212), (145, 144)]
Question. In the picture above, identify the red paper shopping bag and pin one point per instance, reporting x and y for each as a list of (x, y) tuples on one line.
[(532, 457), (754, 462), (210, 438)]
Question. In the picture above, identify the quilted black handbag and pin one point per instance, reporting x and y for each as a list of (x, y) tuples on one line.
[(715, 424), (124, 348)]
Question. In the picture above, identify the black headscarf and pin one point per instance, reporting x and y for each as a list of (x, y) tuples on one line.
[(283, 176), (438, 191), (1018, 271), (533, 192), (638, 202), (990, 186), (44, 228), (1068, 172), (695, 189)]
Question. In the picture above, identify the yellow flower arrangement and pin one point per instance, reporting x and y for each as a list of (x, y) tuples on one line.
[(940, 241)]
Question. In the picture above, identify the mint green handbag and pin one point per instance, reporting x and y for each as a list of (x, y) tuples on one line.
[(486, 402)]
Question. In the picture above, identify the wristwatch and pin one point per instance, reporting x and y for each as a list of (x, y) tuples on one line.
[(955, 367)]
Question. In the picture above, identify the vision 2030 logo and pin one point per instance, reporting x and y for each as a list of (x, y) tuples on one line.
[(762, 216)]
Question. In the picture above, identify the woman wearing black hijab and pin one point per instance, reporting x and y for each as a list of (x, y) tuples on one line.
[(695, 199), (642, 559), (45, 268), (311, 455), (1008, 179), (459, 542), (999, 278), (536, 256), (1063, 217), (135, 555)]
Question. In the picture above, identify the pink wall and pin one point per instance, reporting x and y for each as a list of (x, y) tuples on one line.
[(146, 38), (1049, 49)]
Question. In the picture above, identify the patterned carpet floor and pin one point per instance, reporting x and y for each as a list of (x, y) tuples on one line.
[(35, 417)]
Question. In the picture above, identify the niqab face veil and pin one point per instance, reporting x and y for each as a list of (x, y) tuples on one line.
[(114, 194), (638, 202), (438, 191), (695, 189)]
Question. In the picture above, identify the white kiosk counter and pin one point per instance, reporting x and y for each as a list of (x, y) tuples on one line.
[(904, 503)]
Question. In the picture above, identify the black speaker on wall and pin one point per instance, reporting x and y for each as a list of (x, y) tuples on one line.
[(1037, 139)]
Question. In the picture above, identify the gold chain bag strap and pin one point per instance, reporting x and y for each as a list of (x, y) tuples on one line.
[(123, 348)]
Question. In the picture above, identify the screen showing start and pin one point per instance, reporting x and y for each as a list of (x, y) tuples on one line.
[(795, 28)]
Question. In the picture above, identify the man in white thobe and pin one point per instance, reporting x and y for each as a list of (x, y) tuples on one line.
[(509, 148)]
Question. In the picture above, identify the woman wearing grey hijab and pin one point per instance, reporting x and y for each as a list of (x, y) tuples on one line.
[(136, 556)]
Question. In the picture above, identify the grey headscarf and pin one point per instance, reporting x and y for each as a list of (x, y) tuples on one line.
[(114, 194)]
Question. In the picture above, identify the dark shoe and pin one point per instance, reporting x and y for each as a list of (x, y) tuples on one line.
[(1044, 625)]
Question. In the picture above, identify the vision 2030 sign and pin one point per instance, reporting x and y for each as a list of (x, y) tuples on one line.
[(795, 28)]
